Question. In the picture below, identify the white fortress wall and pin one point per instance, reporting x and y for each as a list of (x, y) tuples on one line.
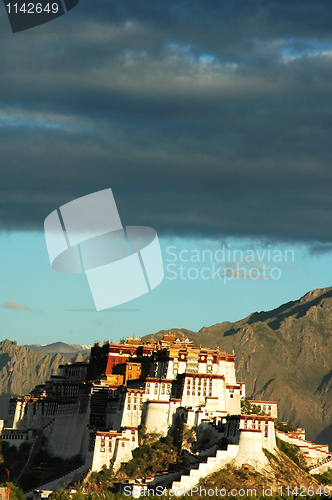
[(191, 415), (111, 448), (269, 435), (233, 399), (270, 408), (16, 437), (132, 409), (157, 416), (251, 449), (68, 435), (313, 453), (230, 373)]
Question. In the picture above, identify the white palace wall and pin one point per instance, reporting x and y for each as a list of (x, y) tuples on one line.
[(111, 448), (68, 435), (158, 416)]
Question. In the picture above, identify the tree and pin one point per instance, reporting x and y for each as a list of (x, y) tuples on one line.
[(60, 494), (15, 492), (248, 409)]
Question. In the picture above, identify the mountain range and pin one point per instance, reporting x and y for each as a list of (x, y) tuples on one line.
[(24, 367), (66, 350), (283, 355)]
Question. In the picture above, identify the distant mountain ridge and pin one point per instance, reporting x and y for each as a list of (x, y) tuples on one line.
[(61, 348), (22, 368)]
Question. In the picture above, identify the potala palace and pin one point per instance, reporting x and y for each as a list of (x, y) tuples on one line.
[(94, 409)]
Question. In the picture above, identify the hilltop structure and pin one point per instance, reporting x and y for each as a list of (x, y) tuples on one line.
[(94, 409)]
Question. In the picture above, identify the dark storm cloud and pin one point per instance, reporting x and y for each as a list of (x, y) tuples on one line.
[(203, 117)]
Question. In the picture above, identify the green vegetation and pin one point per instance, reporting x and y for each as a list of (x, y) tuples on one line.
[(249, 409), (12, 459), (60, 494), (90, 492), (148, 459), (293, 452), (324, 478), (15, 492), (44, 468), (284, 427)]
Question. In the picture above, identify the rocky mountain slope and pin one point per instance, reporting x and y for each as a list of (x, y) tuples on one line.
[(284, 355), (22, 369)]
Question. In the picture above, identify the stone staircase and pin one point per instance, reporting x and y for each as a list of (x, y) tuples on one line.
[(204, 469)]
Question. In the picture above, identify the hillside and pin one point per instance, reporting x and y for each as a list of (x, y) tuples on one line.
[(281, 475), (21, 370), (284, 355)]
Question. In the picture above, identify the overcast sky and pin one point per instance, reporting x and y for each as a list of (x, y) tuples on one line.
[(205, 117), (208, 119)]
